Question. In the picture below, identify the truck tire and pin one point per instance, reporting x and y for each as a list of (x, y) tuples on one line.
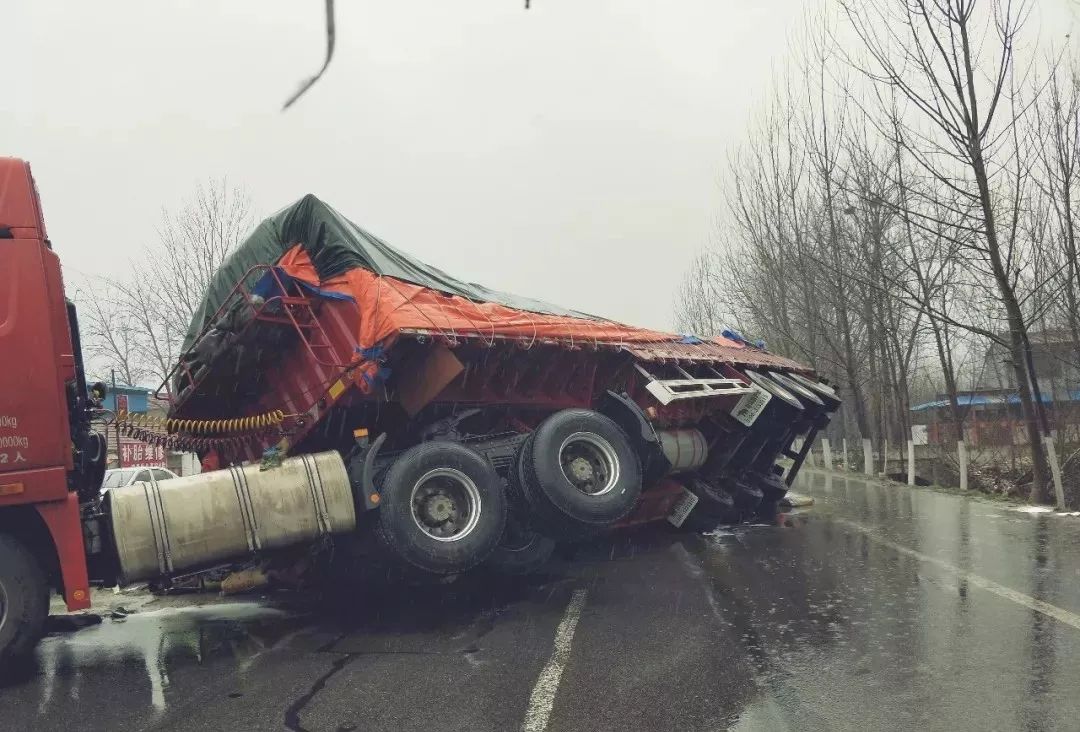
[(715, 506), (24, 601), (578, 474), (773, 490), (522, 550), (443, 508), (747, 498)]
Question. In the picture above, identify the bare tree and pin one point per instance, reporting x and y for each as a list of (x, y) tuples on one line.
[(955, 67), (193, 243), (111, 342), (900, 211), (700, 305), (137, 324), (1058, 124)]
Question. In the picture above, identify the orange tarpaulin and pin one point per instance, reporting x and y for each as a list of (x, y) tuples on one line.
[(388, 306)]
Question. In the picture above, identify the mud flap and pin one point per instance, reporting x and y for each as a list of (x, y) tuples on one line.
[(684, 504)]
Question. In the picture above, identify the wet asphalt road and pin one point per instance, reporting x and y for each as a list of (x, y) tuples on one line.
[(881, 607)]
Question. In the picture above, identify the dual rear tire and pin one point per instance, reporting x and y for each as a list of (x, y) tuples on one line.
[(444, 507), (734, 501), (577, 474), (715, 506)]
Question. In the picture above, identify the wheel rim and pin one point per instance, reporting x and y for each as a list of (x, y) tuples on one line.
[(445, 504), (588, 461)]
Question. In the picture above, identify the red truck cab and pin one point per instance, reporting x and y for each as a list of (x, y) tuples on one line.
[(48, 454)]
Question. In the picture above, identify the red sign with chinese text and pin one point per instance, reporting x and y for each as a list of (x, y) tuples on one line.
[(138, 454)]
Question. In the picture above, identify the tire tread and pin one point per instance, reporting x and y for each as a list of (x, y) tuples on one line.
[(28, 591)]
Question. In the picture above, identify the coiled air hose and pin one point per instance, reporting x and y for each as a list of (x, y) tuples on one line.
[(197, 434)]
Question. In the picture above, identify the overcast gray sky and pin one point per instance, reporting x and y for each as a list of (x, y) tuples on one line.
[(571, 152)]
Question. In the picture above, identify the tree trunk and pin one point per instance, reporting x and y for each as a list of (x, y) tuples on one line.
[(851, 371), (1071, 312), (1017, 331)]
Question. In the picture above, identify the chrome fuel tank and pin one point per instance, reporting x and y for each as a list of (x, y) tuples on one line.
[(178, 525)]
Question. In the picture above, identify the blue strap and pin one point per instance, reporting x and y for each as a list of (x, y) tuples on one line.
[(370, 354), (267, 287)]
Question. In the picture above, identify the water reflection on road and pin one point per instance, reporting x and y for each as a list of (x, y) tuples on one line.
[(915, 644)]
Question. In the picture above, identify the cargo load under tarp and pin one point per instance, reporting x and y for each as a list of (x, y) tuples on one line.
[(335, 245), (313, 244)]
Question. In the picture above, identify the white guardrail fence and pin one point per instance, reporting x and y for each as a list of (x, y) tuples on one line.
[(823, 450)]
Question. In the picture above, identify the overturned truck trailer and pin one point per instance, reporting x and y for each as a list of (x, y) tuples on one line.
[(474, 424)]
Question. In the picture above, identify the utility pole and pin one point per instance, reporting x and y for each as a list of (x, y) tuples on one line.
[(116, 411)]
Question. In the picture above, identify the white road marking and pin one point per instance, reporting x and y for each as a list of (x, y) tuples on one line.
[(542, 698), (1052, 611)]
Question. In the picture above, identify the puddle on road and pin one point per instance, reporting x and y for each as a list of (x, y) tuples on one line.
[(156, 640), (150, 648), (793, 519)]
